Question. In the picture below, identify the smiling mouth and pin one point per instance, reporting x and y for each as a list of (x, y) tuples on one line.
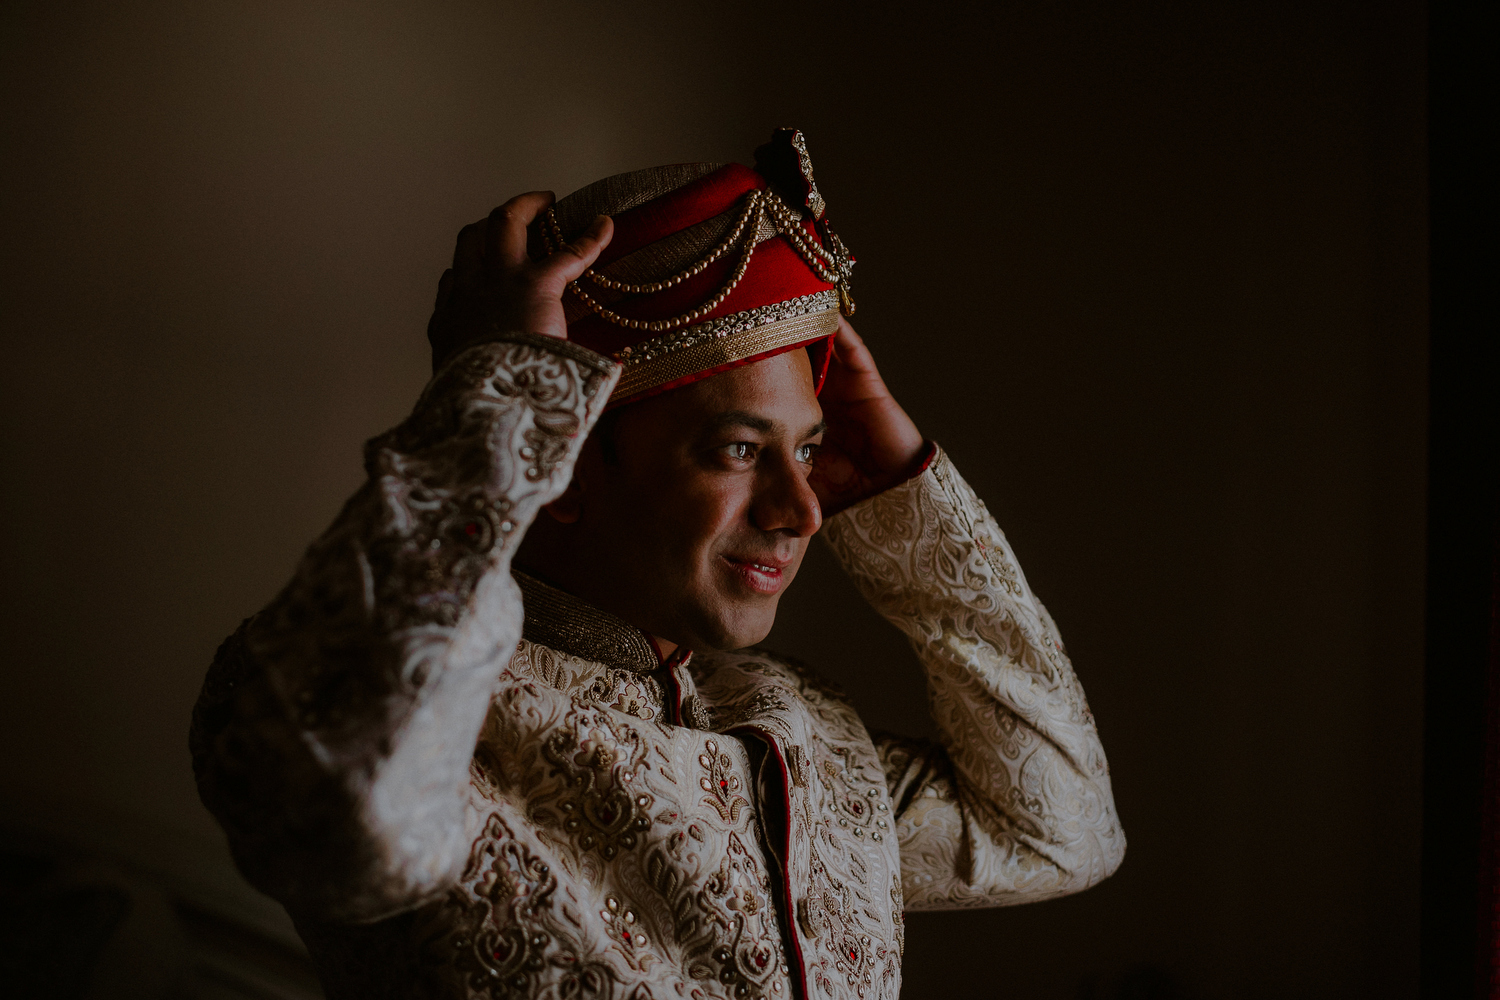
[(763, 578)]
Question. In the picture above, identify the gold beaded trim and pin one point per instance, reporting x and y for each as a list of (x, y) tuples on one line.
[(726, 340), (730, 238), (726, 326), (769, 212)]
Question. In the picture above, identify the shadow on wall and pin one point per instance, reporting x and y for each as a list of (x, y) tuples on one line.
[(112, 918), (73, 927), (1152, 273), (1144, 982)]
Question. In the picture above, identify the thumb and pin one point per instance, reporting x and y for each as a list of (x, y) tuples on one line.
[(574, 258), (850, 350)]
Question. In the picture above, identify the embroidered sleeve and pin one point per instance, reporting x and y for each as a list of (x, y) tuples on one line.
[(334, 732), (1013, 804)]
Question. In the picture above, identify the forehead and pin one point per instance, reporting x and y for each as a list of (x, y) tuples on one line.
[(778, 389)]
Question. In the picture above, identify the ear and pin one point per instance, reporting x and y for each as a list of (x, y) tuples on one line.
[(567, 508)]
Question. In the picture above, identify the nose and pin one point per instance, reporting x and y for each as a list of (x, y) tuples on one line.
[(783, 501)]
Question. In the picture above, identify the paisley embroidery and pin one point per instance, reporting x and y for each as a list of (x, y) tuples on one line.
[(898, 918), (836, 793), (501, 942), (344, 658), (600, 851), (1016, 802), (608, 809), (412, 544), (741, 710), (830, 909), (721, 783), (628, 691), (861, 807), (687, 891), (742, 949)]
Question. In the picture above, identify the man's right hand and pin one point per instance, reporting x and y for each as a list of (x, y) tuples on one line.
[(494, 287)]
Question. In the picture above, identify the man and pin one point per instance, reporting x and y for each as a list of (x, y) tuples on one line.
[(504, 735)]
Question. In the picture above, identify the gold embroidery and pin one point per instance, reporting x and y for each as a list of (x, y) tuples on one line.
[(721, 784), (557, 619), (502, 940), (727, 326), (637, 694), (713, 348), (796, 764), (1019, 738), (608, 809)]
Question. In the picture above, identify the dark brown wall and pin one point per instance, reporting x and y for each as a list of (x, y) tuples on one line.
[(1153, 273)]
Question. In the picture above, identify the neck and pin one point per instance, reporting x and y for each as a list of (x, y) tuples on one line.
[(556, 616), (549, 554)]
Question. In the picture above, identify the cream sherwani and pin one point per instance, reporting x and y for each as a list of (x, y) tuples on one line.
[(463, 783)]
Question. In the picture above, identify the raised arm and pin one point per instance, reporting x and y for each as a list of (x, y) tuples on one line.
[(335, 729), (1014, 803)]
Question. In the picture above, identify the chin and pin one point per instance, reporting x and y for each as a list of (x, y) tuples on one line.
[(722, 633)]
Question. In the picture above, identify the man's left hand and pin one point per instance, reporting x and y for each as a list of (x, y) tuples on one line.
[(870, 444)]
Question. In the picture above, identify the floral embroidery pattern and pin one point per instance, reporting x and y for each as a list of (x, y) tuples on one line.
[(1019, 742), (583, 847), (633, 701), (637, 694), (842, 874), (328, 678), (721, 783), (607, 809), (504, 943), (694, 898)]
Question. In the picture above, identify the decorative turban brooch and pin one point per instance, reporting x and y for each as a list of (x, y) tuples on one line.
[(711, 266)]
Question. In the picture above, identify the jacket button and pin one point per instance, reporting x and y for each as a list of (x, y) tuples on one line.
[(804, 917)]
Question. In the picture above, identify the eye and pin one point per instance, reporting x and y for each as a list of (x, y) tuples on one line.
[(806, 452), (740, 451)]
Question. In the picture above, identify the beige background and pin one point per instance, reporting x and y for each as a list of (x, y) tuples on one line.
[(1153, 273)]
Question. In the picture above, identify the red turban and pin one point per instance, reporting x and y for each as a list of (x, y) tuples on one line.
[(712, 266)]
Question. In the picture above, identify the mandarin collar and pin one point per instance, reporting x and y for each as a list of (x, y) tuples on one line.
[(557, 619)]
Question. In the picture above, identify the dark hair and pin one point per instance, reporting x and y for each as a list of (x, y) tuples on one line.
[(604, 433)]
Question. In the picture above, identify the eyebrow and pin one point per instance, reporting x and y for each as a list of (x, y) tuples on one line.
[(739, 418), (743, 418)]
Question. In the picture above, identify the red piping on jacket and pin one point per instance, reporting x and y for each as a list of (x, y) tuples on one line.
[(786, 856)]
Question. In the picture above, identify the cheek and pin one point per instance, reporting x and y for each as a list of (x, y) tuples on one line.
[(711, 517), (681, 524)]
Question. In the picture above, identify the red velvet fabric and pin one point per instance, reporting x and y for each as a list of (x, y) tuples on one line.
[(704, 198), (777, 272)]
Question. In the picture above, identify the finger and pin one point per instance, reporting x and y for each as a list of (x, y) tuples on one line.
[(468, 255), (850, 350), (554, 273), (505, 245)]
